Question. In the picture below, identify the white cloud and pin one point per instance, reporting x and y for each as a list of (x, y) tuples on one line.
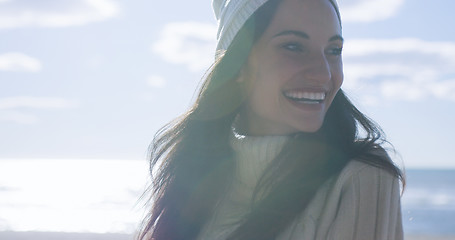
[(15, 14), (17, 117), (156, 81), (363, 47), (17, 109), (369, 10), (34, 103), (444, 89), (400, 69), (19, 62), (403, 90), (189, 43)]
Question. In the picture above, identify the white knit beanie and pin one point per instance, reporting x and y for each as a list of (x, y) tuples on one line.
[(232, 14)]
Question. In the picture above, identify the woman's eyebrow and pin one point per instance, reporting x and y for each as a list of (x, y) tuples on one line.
[(292, 32), (304, 35)]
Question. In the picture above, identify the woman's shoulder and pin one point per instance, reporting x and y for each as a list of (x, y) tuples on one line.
[(363, 203), (366, 175), (357, 167)]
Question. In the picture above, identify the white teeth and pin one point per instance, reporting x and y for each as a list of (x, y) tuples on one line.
[(299, 95)]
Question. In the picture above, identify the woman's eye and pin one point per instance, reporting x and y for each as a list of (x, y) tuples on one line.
[(294, 47), (336, 51)]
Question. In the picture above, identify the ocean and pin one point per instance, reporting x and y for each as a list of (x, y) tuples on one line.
[(428, 203), (101, 196)]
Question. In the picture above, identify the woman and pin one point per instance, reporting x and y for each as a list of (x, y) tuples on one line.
[(271, 148)]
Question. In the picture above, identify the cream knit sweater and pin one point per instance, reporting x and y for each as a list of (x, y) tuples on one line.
[(362, 203)]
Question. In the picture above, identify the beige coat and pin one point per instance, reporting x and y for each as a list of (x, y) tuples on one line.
[(362, 203)]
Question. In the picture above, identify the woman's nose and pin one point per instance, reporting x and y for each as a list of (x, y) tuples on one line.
[(317, 68)]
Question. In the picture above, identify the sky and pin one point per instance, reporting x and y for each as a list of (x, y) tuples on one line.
[(95, 79)]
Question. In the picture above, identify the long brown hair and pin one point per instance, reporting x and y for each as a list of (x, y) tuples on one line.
[(193, 159)]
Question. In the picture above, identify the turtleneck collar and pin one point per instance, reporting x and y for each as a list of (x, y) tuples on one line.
[(253, 154)]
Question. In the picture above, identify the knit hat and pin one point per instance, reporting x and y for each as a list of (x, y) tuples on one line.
[(231, 15)]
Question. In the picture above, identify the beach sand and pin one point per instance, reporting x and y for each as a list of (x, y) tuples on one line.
[(116, 236)]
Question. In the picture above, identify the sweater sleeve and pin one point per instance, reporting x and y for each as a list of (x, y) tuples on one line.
[(369, 206)]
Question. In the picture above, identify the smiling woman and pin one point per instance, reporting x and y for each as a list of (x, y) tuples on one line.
[(295, 70), (271, 148)]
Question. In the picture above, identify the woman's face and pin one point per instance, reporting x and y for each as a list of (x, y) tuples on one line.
[(294, 70)]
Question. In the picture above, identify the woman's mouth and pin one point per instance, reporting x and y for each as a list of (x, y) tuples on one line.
[(305, 96)]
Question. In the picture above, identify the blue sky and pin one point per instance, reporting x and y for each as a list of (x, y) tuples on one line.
[(97, 78)]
